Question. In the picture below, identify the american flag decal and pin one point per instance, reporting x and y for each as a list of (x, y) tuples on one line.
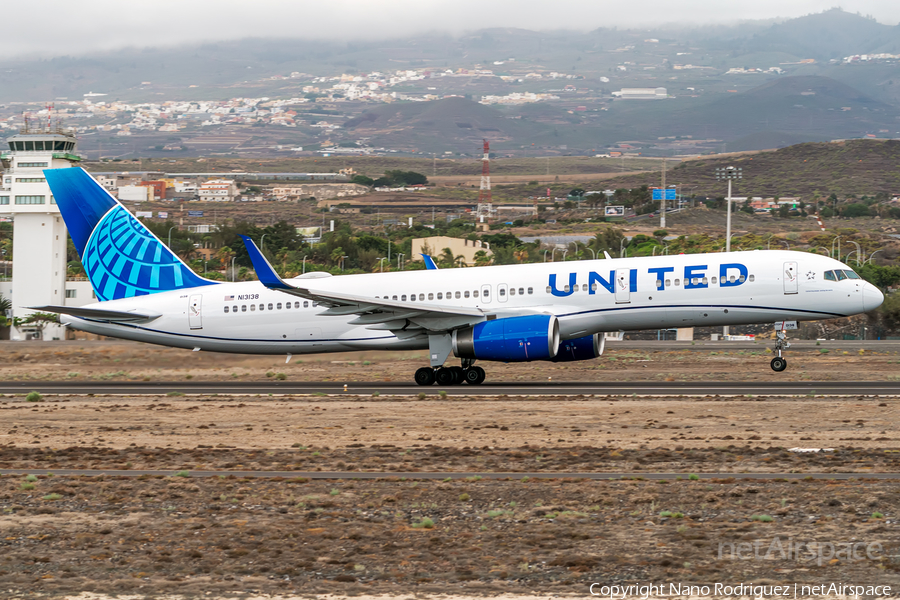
[(229, 298)]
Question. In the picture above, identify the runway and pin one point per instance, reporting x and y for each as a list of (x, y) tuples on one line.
[(448, 475), (488, 389)]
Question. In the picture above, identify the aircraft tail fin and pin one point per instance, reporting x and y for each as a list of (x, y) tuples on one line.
[(121, 257)]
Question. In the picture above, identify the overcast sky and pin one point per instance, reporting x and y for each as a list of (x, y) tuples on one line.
[(66, 27)]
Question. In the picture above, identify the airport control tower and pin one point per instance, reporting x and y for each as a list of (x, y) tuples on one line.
[(39, 232)]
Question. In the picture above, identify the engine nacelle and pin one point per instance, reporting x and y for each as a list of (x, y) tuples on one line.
[(514, 339), (583, 348)]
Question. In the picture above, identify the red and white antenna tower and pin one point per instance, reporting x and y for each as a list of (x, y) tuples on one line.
[(485, 207)]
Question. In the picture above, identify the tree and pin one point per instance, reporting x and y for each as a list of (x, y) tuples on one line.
[(362, 180), (482, 259)]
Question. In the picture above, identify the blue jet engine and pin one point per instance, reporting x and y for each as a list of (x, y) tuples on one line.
[(584, 348), (514, 339)]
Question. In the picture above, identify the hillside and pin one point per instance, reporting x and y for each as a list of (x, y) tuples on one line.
[(852, 167)]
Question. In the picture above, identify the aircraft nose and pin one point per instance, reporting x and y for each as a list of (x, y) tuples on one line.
[(872, 297)]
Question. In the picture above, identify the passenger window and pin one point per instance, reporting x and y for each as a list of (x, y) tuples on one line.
[(731, 278), (715, 280), (705, 281), (658, 284), (306, 304), (741, 279), (840, 275), (668, 283), (565, 289), (852, 274), (297, 305), (531, 290), (226, 309), (278, 306), (262, 307), (252, 307), (677, 282), (421, 297), (403, 298), (287, 304), (449, 295), (431, 296), (466, 294), (394, 298), (486, 293), (512, 291), (501, 292), (457, 295), (475, 294), (244, 308), (584, 287), (270, 306), (593, 287), (548, 289), (440, 296), (752, 278), (522, 290)]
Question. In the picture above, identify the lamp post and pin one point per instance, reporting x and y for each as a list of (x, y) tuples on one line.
[(204, 267), (729, 174), (545, 254), (342, 262), (233, 258), (4, 263), (622, 247), (304, 264), (576, 249), (858, 251), (399, 258), (593, 252), (823, 248), (566, 251), (553, 254), (837, 239), (871, 256), (381, 263), (170, 235)]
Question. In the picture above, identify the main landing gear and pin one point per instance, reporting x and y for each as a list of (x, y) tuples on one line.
[(779, 363), (450, 375)]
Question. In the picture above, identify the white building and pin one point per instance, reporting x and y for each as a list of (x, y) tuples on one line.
[(218, 190), (641, 93), (135, 193), (39, 232)]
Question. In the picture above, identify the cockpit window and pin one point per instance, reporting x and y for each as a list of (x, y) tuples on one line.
[(829, 276), (851, 275), (840, 275)]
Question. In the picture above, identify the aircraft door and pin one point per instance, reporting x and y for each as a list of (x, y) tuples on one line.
[(502, 291), (790, 277), (623, 288), (485, 294), (195, 307)]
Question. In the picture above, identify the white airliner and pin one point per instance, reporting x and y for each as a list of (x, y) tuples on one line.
[(537, 312)]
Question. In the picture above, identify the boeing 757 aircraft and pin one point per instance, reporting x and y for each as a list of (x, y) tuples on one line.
[(538, 312)]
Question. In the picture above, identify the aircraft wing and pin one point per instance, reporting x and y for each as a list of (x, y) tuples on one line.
[(429, 263), (410, 318), (97, 314)]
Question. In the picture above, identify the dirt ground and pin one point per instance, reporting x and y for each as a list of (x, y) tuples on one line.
[(129, 361), (230, 537)]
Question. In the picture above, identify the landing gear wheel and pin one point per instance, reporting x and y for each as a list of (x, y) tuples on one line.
[(475, 375), (445, 376), (425, 376), (779, 364), (458, 375)]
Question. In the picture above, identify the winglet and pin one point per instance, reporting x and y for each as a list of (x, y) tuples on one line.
[(429, 263), (264, 271), (606, 255)]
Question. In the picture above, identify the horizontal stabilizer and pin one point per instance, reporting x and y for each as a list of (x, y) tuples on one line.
[(98, 314)]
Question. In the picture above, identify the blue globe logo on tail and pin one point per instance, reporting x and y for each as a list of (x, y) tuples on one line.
[(120, 256), (123, 259)]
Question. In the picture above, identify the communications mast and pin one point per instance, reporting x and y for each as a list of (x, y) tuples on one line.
[(485, 207)]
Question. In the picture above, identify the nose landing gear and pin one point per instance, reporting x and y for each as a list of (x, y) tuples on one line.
[(779, 363)]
